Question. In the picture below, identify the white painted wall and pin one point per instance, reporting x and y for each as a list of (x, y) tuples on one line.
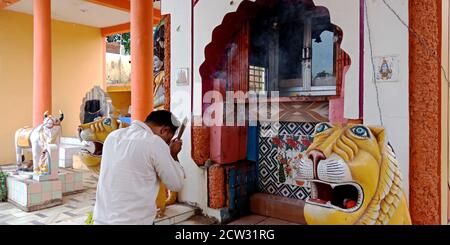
[(195, 189), (389, 37), (346, 15)]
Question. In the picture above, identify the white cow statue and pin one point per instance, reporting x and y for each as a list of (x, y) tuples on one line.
[(39, 139)]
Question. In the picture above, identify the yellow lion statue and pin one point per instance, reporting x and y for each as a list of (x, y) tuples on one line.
[(94, 134), (354, 177)]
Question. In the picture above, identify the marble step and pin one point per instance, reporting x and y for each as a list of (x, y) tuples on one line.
[(176, 213), (199, 220)]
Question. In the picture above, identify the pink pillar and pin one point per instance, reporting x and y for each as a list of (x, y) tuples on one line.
[(141, 58), (337, 105), (42, 60)]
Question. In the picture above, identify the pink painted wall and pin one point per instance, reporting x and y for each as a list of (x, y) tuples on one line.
[(337, 105)]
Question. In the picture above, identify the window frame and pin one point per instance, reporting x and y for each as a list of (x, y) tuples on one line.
[(306, 88)]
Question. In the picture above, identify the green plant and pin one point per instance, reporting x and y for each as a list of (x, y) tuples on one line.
[(90, 220), (3, 190), (124, 39)]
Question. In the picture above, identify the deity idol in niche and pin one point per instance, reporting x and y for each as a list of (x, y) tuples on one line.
[(158, 68), (158, 82)]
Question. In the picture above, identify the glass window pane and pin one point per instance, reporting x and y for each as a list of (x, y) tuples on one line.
[(323, 60)]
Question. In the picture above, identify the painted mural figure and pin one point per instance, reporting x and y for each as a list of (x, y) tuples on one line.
[(158, 89), (385, 70), (39, 140), (355, 178), (158, 67)]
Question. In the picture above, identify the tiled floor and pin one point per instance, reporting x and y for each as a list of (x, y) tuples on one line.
[(76, 208), (260, 220)]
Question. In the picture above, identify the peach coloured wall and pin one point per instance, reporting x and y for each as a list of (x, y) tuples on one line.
[(77, 67), (121, 101)]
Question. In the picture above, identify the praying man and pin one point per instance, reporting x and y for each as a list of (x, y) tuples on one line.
[(135, 161)]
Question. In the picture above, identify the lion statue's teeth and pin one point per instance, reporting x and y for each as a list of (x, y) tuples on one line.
[(354, 177)]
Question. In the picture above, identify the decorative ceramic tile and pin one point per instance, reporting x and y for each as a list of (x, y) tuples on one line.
[(387, 68), (304, 112), (290, 149), (268, 164)]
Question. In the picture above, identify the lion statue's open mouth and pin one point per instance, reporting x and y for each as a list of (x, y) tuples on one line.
[(333, 187), (354, 177), (93, 148), (93, 135), (346, 197)]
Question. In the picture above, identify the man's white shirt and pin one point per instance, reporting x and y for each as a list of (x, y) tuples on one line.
[(134, 162)]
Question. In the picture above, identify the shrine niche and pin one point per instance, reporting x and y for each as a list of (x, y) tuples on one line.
[(272, 45), (289, 46), (96, 103)]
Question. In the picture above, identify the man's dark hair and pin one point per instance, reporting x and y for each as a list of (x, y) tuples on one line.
[(163, 118)]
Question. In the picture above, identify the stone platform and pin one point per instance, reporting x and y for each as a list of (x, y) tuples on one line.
[(72, 181), (30, 195), (277, 207)]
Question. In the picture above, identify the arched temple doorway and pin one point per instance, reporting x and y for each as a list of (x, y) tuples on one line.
[(268, 45)]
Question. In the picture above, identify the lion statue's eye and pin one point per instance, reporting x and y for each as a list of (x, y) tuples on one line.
[(361, 131), (322, 128), (107, 122)]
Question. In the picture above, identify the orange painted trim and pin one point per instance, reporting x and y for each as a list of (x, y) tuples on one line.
[(355, 121), (122, 5), (6, 3), (156, 14), (122, 28)]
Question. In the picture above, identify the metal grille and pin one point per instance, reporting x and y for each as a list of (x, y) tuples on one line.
[(257, 78)]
